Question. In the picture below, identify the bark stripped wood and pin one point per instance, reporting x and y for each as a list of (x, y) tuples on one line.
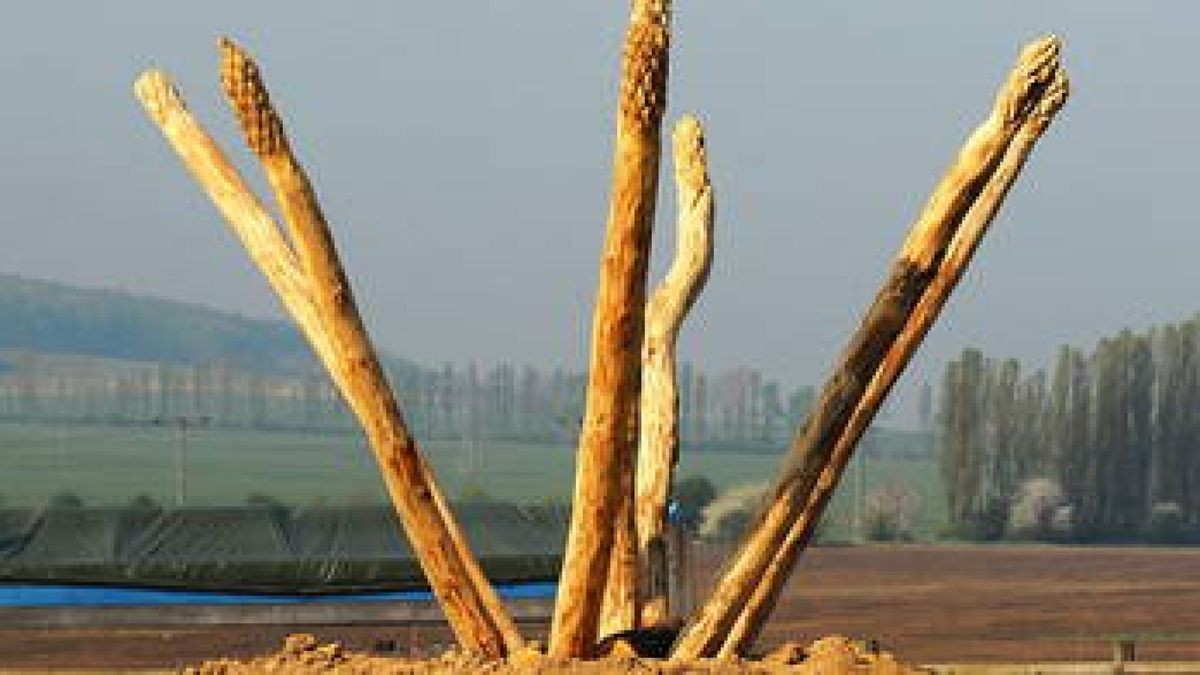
[(479, 627), (911, 273), (638, 566), (226, 188), (475, 611), (658, 444), (959, 253), (618, 611), (613, 375)]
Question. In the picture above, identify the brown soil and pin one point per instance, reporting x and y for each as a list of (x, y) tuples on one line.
[(302, 653), (1004, 603), (926, 604)]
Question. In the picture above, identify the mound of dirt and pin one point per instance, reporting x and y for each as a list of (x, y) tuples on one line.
[(303, 653)]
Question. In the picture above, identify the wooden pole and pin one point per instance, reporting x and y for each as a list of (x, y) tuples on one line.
[(658, 446), (638, 565), (911, 273), (613, 376), (234, 199), (480, 625), (961, 250)]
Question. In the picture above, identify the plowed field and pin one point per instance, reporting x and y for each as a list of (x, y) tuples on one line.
[(924, 603)]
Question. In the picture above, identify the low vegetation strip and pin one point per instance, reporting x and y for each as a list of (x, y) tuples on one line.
[(264, 547)]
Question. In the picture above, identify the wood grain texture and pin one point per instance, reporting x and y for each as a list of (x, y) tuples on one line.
[(658, 444), (911, 273), (614, 365), (619, 610), (753, 616)]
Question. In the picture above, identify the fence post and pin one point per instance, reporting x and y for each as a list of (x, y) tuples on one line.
[(1124, 651), (681, 591)]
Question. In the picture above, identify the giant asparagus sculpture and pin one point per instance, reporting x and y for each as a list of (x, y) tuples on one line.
[(613, 571)]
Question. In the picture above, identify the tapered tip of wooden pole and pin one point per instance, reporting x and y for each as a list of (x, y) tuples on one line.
[(644, 66), (691, 156), (1040, 58), (650, 10), (1050, 97), (1037, 68), (158, 95), (247, 95), (1045, 48)]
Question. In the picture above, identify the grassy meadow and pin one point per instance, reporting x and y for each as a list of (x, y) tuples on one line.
[(111, 465)]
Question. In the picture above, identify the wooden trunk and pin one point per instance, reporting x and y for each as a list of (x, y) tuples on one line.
[(314, 289), (658, 444), (753, 616), (911, 273), (618, 611), (614, 365)]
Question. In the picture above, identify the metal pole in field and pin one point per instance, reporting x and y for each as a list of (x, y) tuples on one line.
[(181, 423), (180, 462), (860, 487)]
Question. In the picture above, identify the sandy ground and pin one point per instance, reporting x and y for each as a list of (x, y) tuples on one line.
[(926, 604)]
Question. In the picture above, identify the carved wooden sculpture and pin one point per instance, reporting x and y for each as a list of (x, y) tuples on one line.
[(614, 570), (914, 271), (605, 447), (313, 288)]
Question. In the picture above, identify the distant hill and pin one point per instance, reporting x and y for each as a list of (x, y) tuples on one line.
[(52, 317)]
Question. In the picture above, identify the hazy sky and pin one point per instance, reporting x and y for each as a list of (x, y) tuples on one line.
[(461, 150)]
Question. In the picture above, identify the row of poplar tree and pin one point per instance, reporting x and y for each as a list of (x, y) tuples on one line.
[(1102, 448), (738, 407)]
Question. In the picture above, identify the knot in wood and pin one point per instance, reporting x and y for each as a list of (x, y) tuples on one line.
[(341, 295), (691, 157)]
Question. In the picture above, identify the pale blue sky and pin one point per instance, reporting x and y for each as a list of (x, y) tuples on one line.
[(462, 152)]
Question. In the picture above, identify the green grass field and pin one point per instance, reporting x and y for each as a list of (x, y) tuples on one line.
[(111, 465)]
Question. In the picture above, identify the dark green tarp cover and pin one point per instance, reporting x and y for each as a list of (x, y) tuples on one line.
[(267, 548)]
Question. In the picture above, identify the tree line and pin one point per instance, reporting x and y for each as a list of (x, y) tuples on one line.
[(1100, 449), (504, 402)]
